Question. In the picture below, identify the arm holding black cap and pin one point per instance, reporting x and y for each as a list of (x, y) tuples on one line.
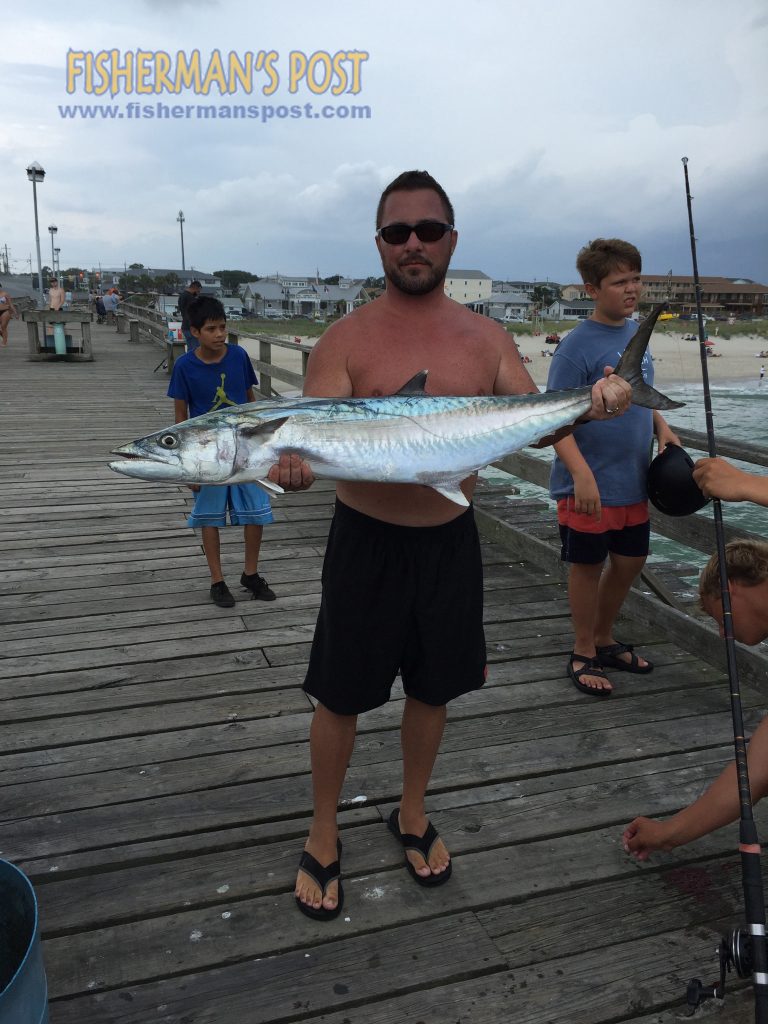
[(719, 479)]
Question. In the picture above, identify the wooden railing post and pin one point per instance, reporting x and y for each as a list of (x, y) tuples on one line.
[(265, 356)]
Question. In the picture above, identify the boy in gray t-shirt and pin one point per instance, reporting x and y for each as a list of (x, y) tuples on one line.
[(598, 476)]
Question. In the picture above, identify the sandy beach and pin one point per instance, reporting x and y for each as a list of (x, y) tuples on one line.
[(676, 361)]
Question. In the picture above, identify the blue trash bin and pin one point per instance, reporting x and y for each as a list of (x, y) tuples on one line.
[(23, 987)]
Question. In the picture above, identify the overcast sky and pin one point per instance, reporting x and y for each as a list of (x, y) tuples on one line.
[(549, 122)]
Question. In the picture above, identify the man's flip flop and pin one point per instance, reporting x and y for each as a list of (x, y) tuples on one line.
[(591, 667), (608, 657), (322, 877), (421, 844)]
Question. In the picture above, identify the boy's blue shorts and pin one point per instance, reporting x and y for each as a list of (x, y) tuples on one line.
[(247, 504)]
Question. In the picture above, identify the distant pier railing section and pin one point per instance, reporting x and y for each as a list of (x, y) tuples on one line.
[(153, 325)]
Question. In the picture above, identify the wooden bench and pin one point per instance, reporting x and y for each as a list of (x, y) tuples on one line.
[(41, 343)]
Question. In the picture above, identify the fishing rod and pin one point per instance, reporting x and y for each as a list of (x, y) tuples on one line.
[(743, 950)]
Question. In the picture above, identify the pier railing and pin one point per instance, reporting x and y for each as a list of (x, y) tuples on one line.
[(153, 325)]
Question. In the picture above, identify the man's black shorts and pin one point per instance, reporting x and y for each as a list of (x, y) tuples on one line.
[(405, 598)]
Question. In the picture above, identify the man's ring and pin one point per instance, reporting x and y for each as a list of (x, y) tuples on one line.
[(611, 412)]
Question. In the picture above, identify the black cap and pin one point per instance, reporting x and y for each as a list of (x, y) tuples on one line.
[(671, 487)]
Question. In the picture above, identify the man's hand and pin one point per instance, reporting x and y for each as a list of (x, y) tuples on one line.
[(719, 479), (611, 396), (292, 473)]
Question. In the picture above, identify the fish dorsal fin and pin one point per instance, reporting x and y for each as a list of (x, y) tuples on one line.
[(416, 385)]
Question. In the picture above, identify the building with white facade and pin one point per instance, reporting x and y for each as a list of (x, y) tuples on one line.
[(468, 286)]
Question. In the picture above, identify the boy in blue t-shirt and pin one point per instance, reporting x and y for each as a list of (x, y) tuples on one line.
[(599, 473), (212, 375)]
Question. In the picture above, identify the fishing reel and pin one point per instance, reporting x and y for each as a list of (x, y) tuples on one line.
[(735, 954)]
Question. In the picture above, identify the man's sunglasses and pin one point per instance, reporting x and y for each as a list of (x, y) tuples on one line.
[(426, 231)]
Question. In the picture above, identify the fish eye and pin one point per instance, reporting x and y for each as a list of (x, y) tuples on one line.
[(169, 441)]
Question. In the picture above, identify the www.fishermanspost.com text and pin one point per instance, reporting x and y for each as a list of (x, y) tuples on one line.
[(264, 112)]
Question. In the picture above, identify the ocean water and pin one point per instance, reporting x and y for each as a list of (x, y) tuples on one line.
[(740, 413)]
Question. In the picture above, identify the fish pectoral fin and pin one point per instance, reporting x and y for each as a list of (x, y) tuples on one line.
[(453, 493), (265, 428), (269, 486)]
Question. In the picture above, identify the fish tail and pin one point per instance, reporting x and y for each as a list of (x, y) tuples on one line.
[(630, 367)]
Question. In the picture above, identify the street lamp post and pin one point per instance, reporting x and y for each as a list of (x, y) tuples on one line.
[(36, 173), (57, 266), (180, 219), (53, 229)]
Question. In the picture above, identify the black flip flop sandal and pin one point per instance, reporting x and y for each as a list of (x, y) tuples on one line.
[(591, 667), (421, 844), (322, 877), (608, 657)]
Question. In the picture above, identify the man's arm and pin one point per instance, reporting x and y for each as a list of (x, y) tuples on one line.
[(719, 479), (717, 807)]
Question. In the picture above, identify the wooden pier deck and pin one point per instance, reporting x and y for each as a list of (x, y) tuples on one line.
[(154, 776)]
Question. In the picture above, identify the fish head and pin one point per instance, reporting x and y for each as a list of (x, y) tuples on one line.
[(202, 451)]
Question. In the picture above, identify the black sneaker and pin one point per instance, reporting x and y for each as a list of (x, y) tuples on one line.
[(221, 596), (260, 591)]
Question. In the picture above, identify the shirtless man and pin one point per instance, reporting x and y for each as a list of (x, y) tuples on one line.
[(7, 310), (402, 583), (56, 295)]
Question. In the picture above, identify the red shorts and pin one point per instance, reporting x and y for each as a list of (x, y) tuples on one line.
[(612, 517), (621, 529)]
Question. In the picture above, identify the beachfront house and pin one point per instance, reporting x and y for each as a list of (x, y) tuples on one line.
[(469, 287), (508, 306), (569, 309), (573, 291), (720, 296), (282, 295)]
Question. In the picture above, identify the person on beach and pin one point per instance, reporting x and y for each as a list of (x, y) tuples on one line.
[(719, 479), (598, 475), (7, 312), (402, 578), (187, 296), (216, 374), (56, 295), (746, 563)]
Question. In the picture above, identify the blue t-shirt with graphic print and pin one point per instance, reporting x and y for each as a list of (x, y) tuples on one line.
[(208, 386), (617, 451)]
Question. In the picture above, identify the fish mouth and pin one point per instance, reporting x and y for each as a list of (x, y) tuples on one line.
[(142, 464)]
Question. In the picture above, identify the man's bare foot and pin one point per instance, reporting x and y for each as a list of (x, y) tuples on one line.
[(322, 845), (438, 859)]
